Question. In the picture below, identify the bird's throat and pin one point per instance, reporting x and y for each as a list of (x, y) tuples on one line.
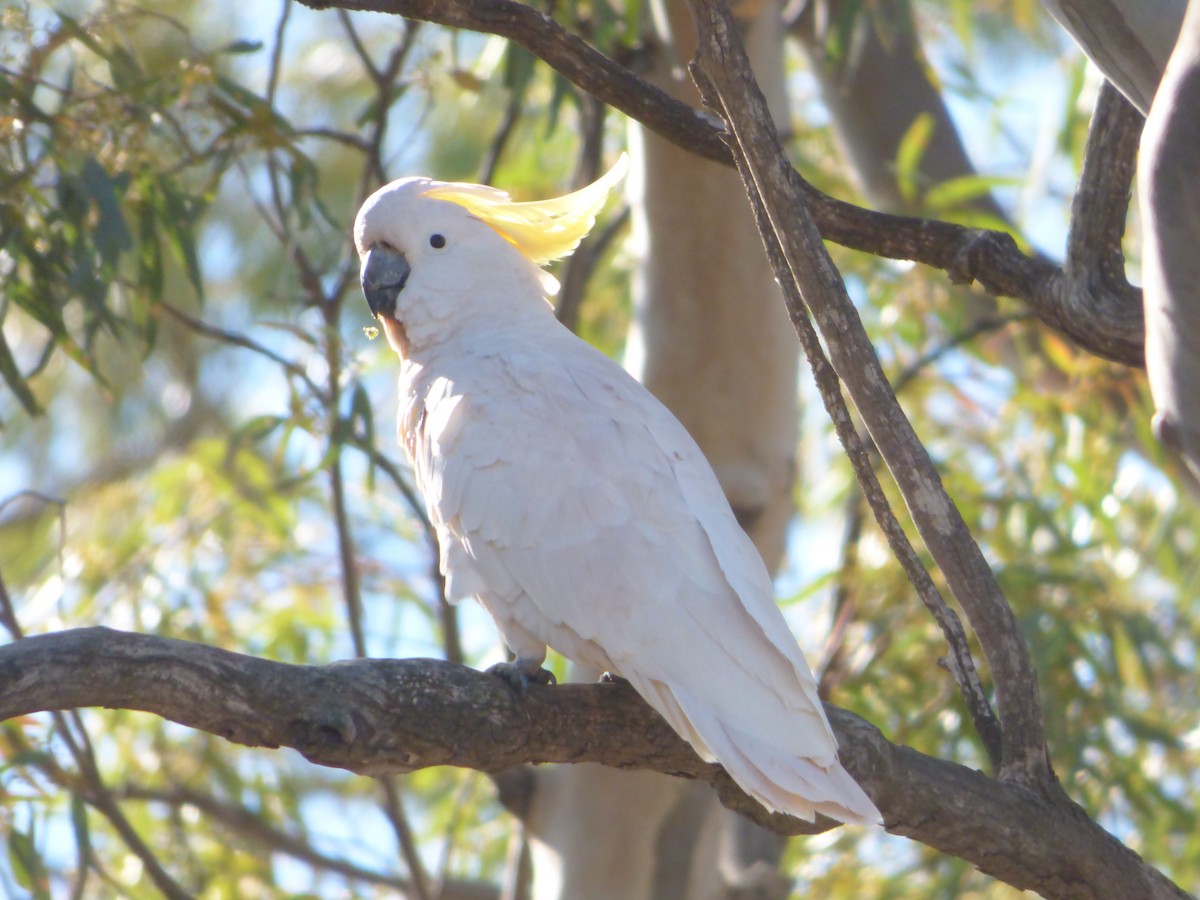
[(396, 335)]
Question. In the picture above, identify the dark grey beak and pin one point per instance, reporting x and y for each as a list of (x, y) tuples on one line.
[(384, 272)]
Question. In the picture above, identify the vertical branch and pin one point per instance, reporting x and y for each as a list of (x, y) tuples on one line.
[(813, 285), (960, 663), (580, 265), (518, 865), (330, 307), (347, 563), (499, 143), (385, 78), (394, 810), (1102, 197), (831, 668)]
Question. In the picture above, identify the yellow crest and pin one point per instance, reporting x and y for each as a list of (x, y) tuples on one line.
[(543, 230)]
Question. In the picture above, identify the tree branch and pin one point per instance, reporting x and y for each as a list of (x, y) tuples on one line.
[(959, 661), (813, 286), (1101, 201), (991, 258), (379, 716)]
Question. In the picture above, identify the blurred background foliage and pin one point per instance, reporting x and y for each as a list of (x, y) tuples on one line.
[(191, 444)]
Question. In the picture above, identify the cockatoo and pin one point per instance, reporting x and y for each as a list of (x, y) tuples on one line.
[(570, 503)]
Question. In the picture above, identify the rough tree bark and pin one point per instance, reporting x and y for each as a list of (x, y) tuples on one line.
[(378, 716), (1169, 173)]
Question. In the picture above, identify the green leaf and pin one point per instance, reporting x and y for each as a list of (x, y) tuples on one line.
[(956, 192), (518, 69), (841, 35), (561, 90), (909, 154), (112, 234), (27, 865), (242, 46), (15, 380), (29, 757), (178, 219), (150, 262), (256, 429), (79, 824), (125, 71), (77, 31)]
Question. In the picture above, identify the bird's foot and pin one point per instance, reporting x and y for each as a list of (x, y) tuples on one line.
[(612, 678), (520, 674)]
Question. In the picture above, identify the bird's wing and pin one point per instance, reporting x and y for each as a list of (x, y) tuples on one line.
[(574, 497)]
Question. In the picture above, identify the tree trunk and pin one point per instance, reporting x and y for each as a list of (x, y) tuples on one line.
[(712, 340)]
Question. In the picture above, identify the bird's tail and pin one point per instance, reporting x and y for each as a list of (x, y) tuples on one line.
[(781, 781)]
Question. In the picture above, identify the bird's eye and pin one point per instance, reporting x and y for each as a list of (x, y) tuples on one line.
[(437, 241)]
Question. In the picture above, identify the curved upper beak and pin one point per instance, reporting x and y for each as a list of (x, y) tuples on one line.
[(384, 272)]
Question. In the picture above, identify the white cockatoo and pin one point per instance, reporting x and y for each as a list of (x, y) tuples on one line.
[(571, 503)]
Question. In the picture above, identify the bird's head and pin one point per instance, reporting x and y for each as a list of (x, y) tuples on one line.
[(435, 252)]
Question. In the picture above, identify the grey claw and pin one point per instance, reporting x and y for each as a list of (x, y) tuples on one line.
[(519, 677)]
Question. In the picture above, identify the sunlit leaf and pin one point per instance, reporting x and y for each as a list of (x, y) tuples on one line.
[(909, 153)]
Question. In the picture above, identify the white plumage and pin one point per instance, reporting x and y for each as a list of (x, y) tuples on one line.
[(571, 503)]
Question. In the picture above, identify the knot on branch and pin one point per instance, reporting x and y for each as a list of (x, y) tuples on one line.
[(973, 253), (322, 730)]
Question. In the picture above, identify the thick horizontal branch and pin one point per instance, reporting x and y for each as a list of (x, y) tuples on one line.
[(1106, 323), (379, 716)]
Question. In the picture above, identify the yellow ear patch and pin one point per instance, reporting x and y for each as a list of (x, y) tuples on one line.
[(542, 229)]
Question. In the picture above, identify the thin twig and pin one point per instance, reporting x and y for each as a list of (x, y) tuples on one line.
[(577, 270), (513, 110), (340, 137), (975, 329), (393, 808), (843, 598), (237, 339), (254, 827)]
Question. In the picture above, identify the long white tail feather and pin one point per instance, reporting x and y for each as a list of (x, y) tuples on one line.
[(779, 780)]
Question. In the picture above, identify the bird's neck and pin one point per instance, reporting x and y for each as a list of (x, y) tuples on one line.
[(493, 319)]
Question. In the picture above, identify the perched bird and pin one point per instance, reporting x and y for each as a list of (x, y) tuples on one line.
[(571, 503)]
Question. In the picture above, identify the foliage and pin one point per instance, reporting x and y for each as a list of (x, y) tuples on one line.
[(184, 386)]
